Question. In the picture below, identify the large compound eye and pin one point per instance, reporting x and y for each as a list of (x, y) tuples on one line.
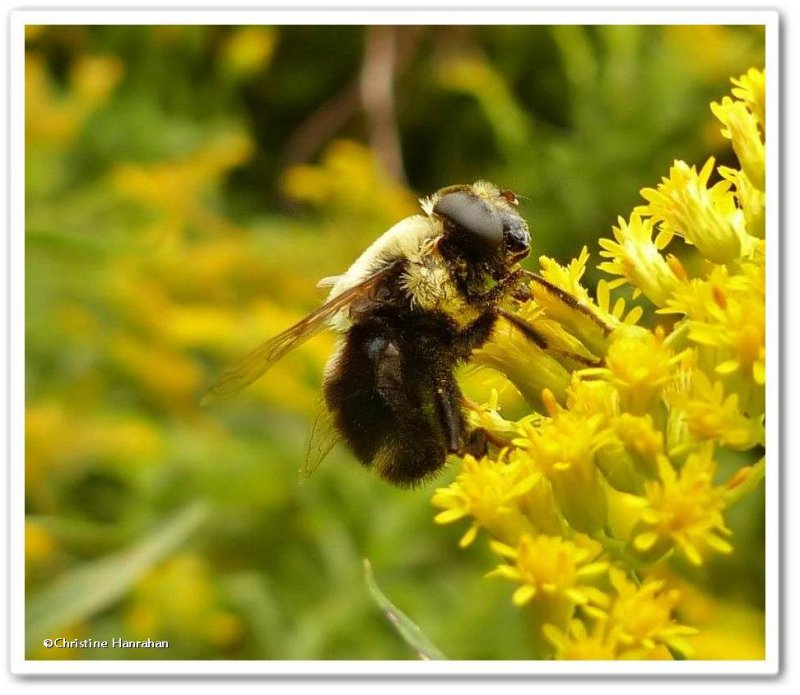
[(471, 222)]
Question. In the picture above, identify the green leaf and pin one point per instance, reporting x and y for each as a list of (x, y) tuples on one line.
[(408, 630), (92, 587)]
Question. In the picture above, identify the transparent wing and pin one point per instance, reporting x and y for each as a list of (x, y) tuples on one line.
[(253, 365), (322, 437)]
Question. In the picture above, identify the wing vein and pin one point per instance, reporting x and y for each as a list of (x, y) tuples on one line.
[(257, 362)]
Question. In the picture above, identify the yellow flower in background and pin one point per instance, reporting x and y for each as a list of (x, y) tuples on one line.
[(39, 546), (349, 177), (177, 190), (179, 600), (625, 450), (94, 78), (50, 118), (248, 50)]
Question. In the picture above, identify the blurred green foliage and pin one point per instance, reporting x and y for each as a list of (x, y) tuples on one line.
[(185, 188)]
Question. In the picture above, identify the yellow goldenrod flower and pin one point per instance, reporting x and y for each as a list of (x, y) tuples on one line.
[(589, 396), (488, 490), (727, 314), (568, 277), (639, 625), (487, 417), (576, 643), (711, 414), (564, 448), (751, 89), (753, 203), (530, 368), (568, 302), (618, 310), (539, 505), (554, 575), (639, 365), (642, 615), (708, 218), (684, 510), (741, 126), (551, 565), (632, 455), (636, 257)]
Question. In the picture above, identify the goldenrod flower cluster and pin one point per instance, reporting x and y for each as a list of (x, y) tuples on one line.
[(616, 472)]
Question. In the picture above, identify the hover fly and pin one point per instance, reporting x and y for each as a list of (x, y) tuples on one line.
[(410, 309)]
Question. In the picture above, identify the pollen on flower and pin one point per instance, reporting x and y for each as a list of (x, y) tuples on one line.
[(639, 366), (711, 414), (642, 615), (636, 257), (549, 567), (576, 643), (564, 448), (727, 315), (488, 490), (529, 367), (751, 89), (638, 624), (707, 217), (741, 126), (684, 510)]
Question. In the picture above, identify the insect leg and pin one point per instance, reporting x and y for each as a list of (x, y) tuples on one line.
[(448, 406), (536, 337), (566, 298)]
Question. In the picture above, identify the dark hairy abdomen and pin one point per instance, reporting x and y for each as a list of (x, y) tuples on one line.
[(393, 394)]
